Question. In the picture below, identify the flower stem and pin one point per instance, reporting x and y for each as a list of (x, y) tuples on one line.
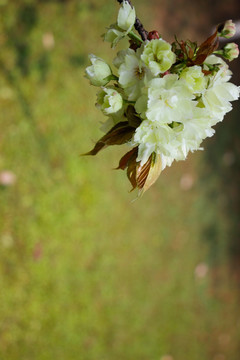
[(135, 37), (111, 77)]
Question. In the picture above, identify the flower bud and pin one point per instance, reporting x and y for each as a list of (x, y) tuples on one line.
[(126, 16), (227, 30), (231, 51), (153, 35), (109, 101), (98, 72)]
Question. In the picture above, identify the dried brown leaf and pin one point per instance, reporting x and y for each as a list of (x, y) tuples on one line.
[(131, 173), (118, 135), (142, 173), (133, 119), (129, 161), (206, 49), (141, 176), (99, 146), (123, 163)]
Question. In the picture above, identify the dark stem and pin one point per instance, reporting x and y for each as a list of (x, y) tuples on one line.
[(138, 25)]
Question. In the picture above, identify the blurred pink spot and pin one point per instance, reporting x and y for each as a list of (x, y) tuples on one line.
[(166, 357), (186, 182), (37, 251), (201, 270), (48, 41), (7, 178)]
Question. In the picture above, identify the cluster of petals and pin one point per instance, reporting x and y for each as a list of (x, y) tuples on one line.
[(177, 103), (181, 111)]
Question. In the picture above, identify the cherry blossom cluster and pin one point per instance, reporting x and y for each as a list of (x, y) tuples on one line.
[(161, 99)]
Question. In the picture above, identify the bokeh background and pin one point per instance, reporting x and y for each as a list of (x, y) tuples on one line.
[(85, 273)]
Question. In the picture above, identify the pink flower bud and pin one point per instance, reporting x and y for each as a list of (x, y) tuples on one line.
[(166, 73), (227, 30), (231, 51)]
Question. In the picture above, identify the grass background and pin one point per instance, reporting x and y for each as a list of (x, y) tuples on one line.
[(84, 272)]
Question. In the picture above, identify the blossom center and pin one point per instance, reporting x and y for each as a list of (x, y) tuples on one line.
[(139, 73), (169, 101)]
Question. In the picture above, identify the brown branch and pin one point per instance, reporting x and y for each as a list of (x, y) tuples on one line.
[(138, 25)]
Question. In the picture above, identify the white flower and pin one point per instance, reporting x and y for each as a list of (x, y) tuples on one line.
[(133, 74), (169, 100), (173, 141), (219, 93), (109, 101), (193, 132), (221, 64), (98, 72), (158, 56), (215, 60), (125, 22), (153, 137), (195, 79), (126, 16)]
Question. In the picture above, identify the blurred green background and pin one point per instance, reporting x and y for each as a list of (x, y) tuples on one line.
[(85, 273)]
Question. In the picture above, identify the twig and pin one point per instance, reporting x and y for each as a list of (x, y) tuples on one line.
[(138, 25)]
